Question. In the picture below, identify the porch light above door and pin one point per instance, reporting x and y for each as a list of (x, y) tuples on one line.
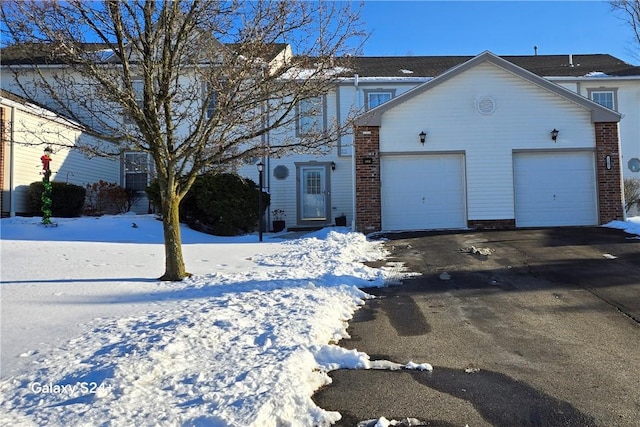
[(554, 134), (423, 137)]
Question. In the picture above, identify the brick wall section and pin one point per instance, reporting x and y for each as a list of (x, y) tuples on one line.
[(610, 199), (367, 163)]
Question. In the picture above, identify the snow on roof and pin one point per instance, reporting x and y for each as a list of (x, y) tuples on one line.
[(596, 74)]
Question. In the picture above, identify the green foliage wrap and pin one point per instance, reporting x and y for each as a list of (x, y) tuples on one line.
[(223, 204), (66, 200)]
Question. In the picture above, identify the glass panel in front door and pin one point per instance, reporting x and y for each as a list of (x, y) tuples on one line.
[(314, 194)]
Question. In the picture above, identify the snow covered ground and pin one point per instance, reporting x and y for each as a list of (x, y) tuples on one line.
[(88, 337)]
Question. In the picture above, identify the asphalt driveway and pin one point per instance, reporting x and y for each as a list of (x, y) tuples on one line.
[(523, 328)]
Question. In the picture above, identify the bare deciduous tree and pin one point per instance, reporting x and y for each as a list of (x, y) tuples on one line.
[(631, 193), (196, 84), (631, 14)]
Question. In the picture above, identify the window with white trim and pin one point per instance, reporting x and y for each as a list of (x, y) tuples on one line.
[(377, 98), (604, 97), (137, 86), (210, 99), (310, 116), (373, 98), (137, 170)]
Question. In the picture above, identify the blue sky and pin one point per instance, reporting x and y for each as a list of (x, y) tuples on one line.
[(503, 27)]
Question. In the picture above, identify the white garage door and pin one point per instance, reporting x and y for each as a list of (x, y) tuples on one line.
[(554, 189), (423, 192)]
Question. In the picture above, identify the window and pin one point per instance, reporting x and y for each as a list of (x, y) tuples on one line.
[(138, 93), (310, 116), (210, 99), (605, 97), (137, 169), (373, 98)]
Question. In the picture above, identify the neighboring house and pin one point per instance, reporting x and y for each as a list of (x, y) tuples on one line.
[(488, 159), (133, 170), (26, 129)]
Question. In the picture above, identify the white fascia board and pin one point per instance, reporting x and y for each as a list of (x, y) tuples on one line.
[(592, 78)]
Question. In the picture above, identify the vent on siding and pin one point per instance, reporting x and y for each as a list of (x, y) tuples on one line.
[(281, 172), (486, 105)]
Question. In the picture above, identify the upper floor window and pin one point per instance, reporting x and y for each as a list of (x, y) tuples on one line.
[(138, 93), (373, 98), (605, 97), (137, 171), (210, 99), (310, 115)]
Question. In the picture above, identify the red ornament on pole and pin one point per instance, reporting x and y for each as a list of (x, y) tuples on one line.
[(45, 162)]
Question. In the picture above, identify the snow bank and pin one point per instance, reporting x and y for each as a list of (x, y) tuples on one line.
[(631, 225), (89, 340)]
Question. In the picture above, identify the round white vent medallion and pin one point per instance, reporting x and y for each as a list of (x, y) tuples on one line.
[(486, 105), (281, 172)]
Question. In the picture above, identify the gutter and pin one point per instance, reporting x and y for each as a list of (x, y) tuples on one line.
[(591, 78)]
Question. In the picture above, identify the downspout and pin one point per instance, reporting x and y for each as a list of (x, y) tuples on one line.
[(12, 193), (353, 157)]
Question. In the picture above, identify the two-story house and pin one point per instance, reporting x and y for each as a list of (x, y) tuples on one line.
[(454, 142), (460, 142)]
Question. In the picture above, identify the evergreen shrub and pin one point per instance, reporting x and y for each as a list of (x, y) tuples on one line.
[(67, 199), (223, 204)]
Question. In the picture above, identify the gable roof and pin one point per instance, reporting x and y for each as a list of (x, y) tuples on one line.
[(599, 113), (50, 54), (541, 65)]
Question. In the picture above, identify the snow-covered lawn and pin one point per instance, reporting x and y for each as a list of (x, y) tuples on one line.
[(90, 338)]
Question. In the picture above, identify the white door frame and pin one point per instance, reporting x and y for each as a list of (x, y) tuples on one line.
[(315, 176)]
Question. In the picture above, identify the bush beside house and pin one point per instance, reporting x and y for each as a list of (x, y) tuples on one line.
[(108, 197), (223, 204), (67, 199)]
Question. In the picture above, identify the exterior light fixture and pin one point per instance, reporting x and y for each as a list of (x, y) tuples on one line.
[(423, 137), (260, 167), (333, 166), (554, 134)]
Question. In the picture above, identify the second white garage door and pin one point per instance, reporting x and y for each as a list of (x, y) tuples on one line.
[(555, 189), (423, 192)]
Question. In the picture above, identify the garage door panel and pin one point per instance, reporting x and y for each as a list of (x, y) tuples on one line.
[(554, 189), (423, 192)]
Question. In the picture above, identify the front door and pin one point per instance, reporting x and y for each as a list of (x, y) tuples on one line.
[(313, 194)]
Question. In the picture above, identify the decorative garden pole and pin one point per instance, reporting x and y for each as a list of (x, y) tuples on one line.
[(46, 193), (260, 208)]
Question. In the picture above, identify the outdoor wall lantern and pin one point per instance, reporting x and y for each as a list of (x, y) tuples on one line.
[(423, 137), (333, 166), (554, 134)]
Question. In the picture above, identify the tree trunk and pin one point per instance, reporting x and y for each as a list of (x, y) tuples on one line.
[(174, 262)]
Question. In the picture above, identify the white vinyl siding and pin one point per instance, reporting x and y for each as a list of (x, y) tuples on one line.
[(523, 118), (67, 165)]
